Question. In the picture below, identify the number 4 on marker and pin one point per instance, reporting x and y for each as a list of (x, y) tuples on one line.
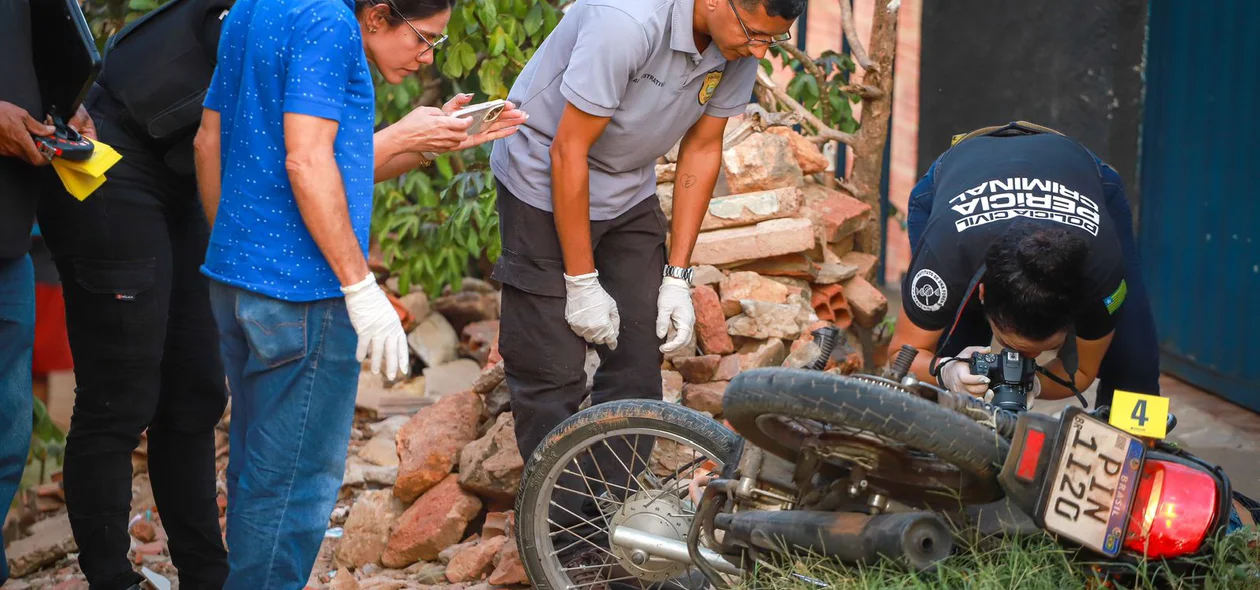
[(1139, 412), (1142, 415)]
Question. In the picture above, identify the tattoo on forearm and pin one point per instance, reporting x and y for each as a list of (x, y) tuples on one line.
[(689, 180)]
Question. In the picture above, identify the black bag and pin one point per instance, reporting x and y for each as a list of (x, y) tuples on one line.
[(158, 68)]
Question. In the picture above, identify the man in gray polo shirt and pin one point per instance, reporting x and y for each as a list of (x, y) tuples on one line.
[(615, 86)]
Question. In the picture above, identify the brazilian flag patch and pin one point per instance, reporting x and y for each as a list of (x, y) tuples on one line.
[(1114, 300)]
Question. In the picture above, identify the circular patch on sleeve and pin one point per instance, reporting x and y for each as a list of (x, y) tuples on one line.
[(928, 290)]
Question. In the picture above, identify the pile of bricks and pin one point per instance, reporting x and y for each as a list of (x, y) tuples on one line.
[(775, 260)]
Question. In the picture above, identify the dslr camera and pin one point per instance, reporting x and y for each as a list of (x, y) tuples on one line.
[(1010, 374)]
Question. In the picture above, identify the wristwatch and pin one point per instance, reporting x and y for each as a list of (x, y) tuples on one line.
[(679, 273)]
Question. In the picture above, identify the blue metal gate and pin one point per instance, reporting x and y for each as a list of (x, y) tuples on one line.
[(1200, 207)]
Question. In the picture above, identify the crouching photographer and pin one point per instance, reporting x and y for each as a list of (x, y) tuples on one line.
[(1020, 235)]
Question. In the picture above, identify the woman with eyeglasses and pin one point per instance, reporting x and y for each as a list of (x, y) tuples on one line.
[(286, 159)]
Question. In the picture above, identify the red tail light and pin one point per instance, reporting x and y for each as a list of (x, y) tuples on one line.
[(1174, 507)]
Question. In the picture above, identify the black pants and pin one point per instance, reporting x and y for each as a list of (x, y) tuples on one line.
[(146, 356), (544, 358)]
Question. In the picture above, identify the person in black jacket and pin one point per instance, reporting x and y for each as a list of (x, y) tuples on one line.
[(22, 171), (144, 341)]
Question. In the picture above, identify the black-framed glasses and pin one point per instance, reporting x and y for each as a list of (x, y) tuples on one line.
[(432, 45), (773, 41)]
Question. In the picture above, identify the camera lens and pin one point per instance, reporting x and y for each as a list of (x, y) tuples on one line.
[(1010, 397)]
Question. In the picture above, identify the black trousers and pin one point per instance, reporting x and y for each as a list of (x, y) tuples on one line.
[(544, 359), (146, 356)]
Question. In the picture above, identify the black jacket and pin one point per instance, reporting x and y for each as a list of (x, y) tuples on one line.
[(20, 182)]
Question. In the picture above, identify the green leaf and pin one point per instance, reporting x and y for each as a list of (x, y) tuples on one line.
[(488, 13), (468, 57), (498, 41), (533, 20)]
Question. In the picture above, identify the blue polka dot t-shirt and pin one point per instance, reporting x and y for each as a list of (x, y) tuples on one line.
[(277, 57)]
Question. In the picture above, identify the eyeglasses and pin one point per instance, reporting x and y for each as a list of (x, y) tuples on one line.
[(773, 41), (432, 45)]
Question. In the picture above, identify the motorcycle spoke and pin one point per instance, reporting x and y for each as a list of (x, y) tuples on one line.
[(585, 480), (606, 483), (623, 578), (580, 539)]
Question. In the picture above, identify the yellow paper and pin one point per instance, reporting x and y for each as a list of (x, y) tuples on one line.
[(83, 178), (1141, 415)]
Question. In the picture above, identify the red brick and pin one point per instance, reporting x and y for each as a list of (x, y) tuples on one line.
[(761, 162), (738, 286), (835, 214), (432, 524), (764, 240), (864, 262), (750, 208), (476, 561), (429, 443), (808, 156), (710, 323), (705, 397), (697, 369), (868, 304)]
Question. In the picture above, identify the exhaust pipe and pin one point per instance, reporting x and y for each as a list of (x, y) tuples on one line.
[(918, 539), (673, 550)]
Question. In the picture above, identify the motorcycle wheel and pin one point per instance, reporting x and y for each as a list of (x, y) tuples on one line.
[(931, 455), (714, 445)]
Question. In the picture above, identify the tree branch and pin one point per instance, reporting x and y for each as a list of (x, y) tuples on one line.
[(850, 33), (862, 90), (823, 131), (812, 68)]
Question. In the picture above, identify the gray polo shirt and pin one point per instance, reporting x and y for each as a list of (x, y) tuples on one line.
[(634, 61)]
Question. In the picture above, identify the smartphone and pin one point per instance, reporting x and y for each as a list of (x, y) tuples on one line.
[(483, 116)]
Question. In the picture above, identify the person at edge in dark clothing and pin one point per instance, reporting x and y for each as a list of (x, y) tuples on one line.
[(144, 342), (23, 173), (1020, 233)]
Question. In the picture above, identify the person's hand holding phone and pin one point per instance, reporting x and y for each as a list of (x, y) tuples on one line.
[(16, 128), (506, 124), (427, 129)]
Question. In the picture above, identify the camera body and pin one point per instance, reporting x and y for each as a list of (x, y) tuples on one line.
[(1010, 374)]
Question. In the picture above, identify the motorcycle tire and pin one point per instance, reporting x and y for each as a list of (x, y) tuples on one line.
[(867, 405), (586, 427)]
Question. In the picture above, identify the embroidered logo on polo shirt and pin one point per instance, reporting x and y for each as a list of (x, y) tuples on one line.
[(710, 86)]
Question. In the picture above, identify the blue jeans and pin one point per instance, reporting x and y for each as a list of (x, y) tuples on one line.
[(292, 377), (17, 336)]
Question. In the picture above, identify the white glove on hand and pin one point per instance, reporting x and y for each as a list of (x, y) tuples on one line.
[(379, 329), (957, 376), (673, 306), (590, 310)]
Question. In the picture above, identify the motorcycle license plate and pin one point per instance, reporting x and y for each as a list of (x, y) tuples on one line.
[(1088, 496)]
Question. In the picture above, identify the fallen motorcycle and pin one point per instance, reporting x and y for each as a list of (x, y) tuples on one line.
[(859, 468)]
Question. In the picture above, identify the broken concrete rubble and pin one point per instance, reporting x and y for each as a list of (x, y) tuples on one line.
[(434, 522), (491, 466), (763, 161), (750, 286), (429, 444), (434, 340), (750, 208)]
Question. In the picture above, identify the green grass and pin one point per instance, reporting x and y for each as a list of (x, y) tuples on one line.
[(1030, 563)]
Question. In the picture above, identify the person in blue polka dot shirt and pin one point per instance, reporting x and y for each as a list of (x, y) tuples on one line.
[(286, 159)]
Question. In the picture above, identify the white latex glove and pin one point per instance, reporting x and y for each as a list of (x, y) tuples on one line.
[(673, 307), (957, 376), (378, 327), (590, 310)]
